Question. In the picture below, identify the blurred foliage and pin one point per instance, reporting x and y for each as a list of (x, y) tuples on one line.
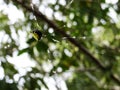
[(91, 22)]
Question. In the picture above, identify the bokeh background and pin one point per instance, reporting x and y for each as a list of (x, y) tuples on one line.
[(79, 50)]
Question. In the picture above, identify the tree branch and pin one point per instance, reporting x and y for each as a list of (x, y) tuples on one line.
[(72, 40), (57, 29)]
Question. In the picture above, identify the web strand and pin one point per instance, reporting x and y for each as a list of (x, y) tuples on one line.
[(34, 17)]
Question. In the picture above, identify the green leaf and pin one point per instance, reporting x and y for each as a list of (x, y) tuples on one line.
[(41, 46), (31, 40), (22, 51)]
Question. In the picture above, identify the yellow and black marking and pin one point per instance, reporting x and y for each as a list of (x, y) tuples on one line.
[(36, 34)]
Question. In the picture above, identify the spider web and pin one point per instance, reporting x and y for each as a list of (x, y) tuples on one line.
[(68, 5), (84, 37)]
